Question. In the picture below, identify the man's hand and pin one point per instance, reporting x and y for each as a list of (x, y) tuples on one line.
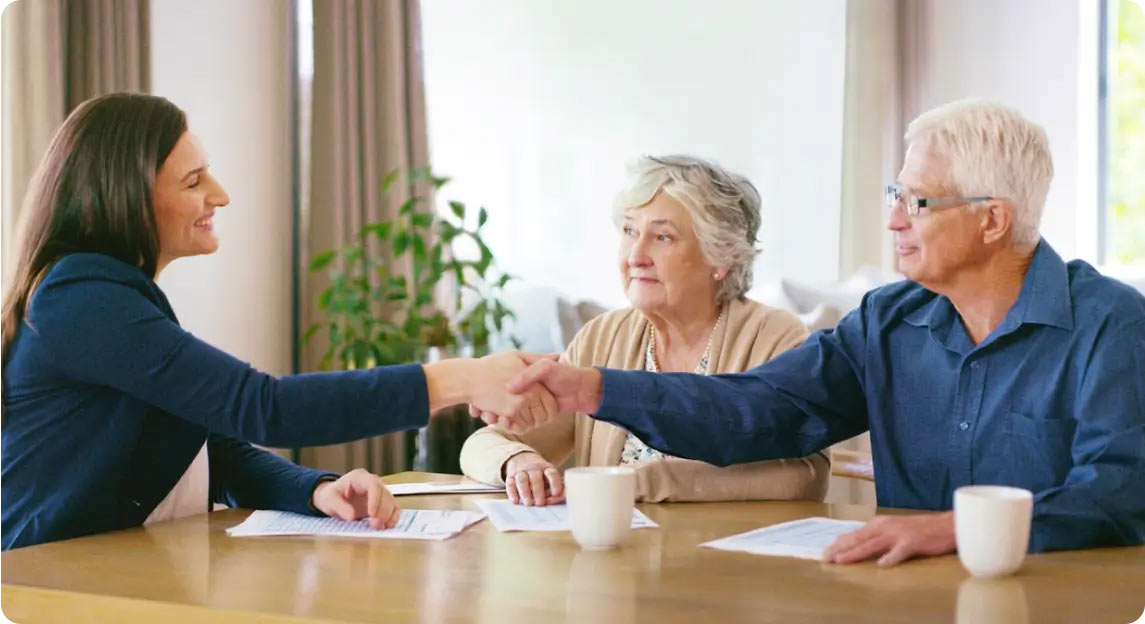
[(515, 412), (894, 539), (576, 389), (532, 480), (355, 495)]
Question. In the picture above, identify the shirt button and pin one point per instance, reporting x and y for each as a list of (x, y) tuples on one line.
[(964, 425)]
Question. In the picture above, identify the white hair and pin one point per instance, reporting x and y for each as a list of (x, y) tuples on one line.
[(724, 208), (990, 149)]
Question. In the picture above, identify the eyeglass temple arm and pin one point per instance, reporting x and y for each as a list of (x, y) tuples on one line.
[(924, 202)]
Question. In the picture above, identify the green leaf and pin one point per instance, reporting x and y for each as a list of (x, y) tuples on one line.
[(423, 298), (401, 242), (447, 231), (504, 280), (380, 230), (324, 298), (389, 179), (354, 252), (385, 354), (482, 217), (419, 252), (310, 333), (427, 174), (458, 209), (436, 260), (422, 219), (408, 205), (486, 258), (320, 261)]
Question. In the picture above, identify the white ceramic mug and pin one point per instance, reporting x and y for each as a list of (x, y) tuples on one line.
[(600, 502), (992, 528)]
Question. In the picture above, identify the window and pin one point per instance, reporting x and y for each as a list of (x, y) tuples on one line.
[(1123, 132)]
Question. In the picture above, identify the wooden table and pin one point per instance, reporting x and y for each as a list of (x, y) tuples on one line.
[(190, 571)]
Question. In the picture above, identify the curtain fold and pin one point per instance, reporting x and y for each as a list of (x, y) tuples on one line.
[(108, 43), (33, 87), (58, 53), (368, 118)]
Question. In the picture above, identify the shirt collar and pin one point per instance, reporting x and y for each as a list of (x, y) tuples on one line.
[(1044, 298)]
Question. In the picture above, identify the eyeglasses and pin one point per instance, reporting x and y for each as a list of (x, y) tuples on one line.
[(897, 197)]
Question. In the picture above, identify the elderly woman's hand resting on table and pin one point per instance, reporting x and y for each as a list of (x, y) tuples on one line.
[(533, 481)]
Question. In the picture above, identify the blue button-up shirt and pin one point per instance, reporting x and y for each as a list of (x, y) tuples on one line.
[(1053, 400)]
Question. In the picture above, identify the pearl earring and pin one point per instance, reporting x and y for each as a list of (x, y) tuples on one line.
[(716, 276)]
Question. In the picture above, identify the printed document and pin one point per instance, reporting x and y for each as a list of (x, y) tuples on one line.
[(806, 539), (506, 516), (420, 524), (443, 487)]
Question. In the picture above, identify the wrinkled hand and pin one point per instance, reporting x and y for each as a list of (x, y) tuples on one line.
[(531, 480), (514, 412), (355, 495), (576, 389), (894, 539)]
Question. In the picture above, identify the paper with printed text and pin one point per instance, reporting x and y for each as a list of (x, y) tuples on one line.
[(507, 516), (420, 524), (805, 539)]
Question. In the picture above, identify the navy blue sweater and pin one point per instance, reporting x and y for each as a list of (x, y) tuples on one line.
[(107, 400)]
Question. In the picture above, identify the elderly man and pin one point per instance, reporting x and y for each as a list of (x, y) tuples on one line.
[(995, 363)]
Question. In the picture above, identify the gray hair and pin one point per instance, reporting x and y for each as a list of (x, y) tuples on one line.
[(991, 150), (724, 208)]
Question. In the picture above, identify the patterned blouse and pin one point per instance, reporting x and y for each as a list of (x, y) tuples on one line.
[(636, 451)]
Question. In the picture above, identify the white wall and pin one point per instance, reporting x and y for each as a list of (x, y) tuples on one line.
[(226, 63), (1024, 53), (536, 108)]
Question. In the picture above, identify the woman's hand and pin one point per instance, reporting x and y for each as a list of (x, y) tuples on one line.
[(355, 495), (531, 480)]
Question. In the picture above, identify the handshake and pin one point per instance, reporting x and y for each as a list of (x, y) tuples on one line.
[(514, 391)]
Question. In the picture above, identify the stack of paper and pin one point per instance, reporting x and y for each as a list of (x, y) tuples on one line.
[(421, 524), (806, 539), (443, 487), (506, 516)]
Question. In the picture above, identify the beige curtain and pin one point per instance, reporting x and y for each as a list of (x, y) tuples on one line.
[(108, 48), (880, 45), (368, 117), (33, 94), (58, 53)]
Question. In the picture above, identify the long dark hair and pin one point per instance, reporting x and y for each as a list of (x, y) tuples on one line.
[(94, 191)]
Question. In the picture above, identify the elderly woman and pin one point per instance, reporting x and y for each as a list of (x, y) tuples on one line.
[(688, 229)]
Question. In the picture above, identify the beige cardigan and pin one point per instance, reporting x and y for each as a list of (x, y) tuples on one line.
[(751, 334)]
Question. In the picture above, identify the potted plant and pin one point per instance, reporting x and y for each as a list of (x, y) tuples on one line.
[(384, 302)]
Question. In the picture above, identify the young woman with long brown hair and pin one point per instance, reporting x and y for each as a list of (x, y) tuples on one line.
[(114, 416)]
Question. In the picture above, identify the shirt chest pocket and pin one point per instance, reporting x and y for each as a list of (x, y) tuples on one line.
[(1038, 450)]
